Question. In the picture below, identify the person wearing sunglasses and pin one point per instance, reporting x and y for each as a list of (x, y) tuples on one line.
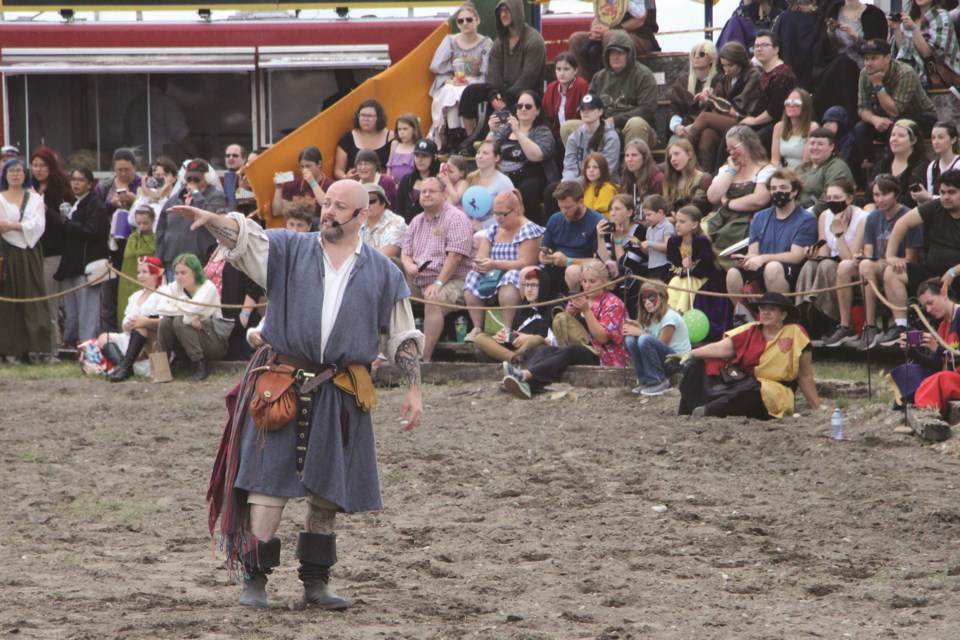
[(174, 236), (690, 94), (233, 159), (790, 135), (460, 61)]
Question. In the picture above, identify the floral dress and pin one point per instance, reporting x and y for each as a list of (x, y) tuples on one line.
[(610, 312), (503, 251)]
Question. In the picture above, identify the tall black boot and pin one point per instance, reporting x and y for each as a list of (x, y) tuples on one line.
[(124, 370), (257, 565), (201, 369), (112, 353), (317, 553)]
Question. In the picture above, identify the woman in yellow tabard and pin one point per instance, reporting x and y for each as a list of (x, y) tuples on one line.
[(754, 370)]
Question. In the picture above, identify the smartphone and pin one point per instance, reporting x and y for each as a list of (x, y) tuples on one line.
[(283, 177), (443, 167), (503, 116), (916, 186), (818, 244), (546, 250), (914, 338), (896, 17), (119, 191), (422, 267), (737, 256)]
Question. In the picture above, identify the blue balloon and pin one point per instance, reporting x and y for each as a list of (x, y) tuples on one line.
[(477, 202)]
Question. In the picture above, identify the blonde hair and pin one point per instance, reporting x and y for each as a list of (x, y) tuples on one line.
[(711, 50), (673, 187)]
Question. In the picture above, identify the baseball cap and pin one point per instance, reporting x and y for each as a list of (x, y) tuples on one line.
[(198, 167), (591, 101), (425, 146), (875, 46), (9, 150), (373, 187)]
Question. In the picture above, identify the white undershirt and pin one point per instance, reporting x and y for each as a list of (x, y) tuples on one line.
[(334, 286)]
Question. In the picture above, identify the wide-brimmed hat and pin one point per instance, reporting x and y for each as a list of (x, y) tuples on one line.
[(774, 299)]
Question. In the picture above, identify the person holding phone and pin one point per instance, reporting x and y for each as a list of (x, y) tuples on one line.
[(779, 239)]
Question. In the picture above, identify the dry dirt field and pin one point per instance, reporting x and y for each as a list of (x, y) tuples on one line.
[(592, 515)]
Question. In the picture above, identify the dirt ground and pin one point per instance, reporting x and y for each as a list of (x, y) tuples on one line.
[(591, 515)]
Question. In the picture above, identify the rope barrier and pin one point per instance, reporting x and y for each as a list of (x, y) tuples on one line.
[(677, 32), (59, 294), (920, 314)]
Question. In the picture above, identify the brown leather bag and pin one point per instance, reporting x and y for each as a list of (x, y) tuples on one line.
[(274, 403)]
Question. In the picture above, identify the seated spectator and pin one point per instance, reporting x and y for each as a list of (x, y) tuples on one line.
[(298, 216), (659, 230), (941, 247), (640, 176), (776, 83), (570, 239), (453, 177), (779, 239), (639, 24), (598, 190), (657, 332), (871, 263), (435, 257), (518, 62), (790, 135), (800, 29), (310, 186), (732, 96), (754, 369), (903, 159), (589, 332), (407, 203), (926, 32), (931, 372), (187, 328), (740, 188), (594, 135), (140, 323), (840, 238), (683, 182), (174, 236), (823, 167), (835, 119), (889, 90), (527, 151), (142, 242), (561, 100), (694, 266), (488, 175), (510, 245), (690, 95), (530, 327), (368, 172), (837, 57), (946, 146), (460, 61), (618, 246), (749, 18), (84, 230), (628, 89), (406, 132), (235, 288), (369, 131)]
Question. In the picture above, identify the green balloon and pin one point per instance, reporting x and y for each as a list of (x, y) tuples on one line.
[(697, 325)]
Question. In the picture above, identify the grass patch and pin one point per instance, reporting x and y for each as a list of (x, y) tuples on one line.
[(41, 371), (29, 455)]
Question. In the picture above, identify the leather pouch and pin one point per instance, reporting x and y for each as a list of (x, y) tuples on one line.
[(274, 403)]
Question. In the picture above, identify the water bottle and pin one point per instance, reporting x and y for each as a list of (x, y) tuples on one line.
[(836, 425), (418, 324), (461, 328)]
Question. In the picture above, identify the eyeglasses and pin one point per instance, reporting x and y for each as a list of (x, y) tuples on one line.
[(762, 45), (793, 103), (368, 116), (14, 170), (651, 297), (502, 214), (193, 179), (467, 20), (525, 106), (734, 147), (531, 284)]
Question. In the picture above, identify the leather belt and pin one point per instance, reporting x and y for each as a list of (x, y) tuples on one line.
[(308, 376)]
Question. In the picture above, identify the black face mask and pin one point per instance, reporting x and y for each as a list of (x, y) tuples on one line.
[(781, 198), (836, 206)]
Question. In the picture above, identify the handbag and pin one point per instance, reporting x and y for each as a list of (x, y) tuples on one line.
[(274, 403), (223, 327), (939, 74), (488, 282), (732, 373), (99, 271)]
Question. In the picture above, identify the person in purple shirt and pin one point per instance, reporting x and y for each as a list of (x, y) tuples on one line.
[(779, 238)]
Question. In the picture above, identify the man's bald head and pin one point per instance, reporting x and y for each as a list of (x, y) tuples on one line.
[(350, 191), (345, 209)]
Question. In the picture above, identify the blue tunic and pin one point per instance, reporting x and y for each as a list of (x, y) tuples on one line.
[(344, 473)]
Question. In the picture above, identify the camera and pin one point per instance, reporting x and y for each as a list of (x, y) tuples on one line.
[(914, 338), (896, 17), (502, 116)]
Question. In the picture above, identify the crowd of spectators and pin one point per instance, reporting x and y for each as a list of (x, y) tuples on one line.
[(780, 170)]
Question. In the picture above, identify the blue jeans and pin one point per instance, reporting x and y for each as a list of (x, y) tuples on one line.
[(647, 354)]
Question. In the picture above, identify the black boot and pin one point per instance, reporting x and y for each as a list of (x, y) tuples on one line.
[(200, 371), (124, 370), (112, 353), (317, 553), (257, 565)]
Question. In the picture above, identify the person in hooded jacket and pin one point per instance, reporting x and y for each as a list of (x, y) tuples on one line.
[(639, 23), (518, 62), (837, 120), (627, 89)]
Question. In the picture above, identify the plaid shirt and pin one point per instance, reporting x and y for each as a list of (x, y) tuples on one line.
[(937, 29), (389, 231), (432, 239), (903, 85)]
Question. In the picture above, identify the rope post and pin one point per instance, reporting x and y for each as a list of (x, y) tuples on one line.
[(863, 295)]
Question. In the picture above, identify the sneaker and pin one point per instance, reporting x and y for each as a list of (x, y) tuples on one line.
[(843, 335), (869, 339), (638, 390), (891, 337), (517, 387), (510, 370), (472, 336), (656, 389), (699, 412)]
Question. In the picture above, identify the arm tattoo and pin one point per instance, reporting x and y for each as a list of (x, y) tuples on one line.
[(226, 233), (408, 361)]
